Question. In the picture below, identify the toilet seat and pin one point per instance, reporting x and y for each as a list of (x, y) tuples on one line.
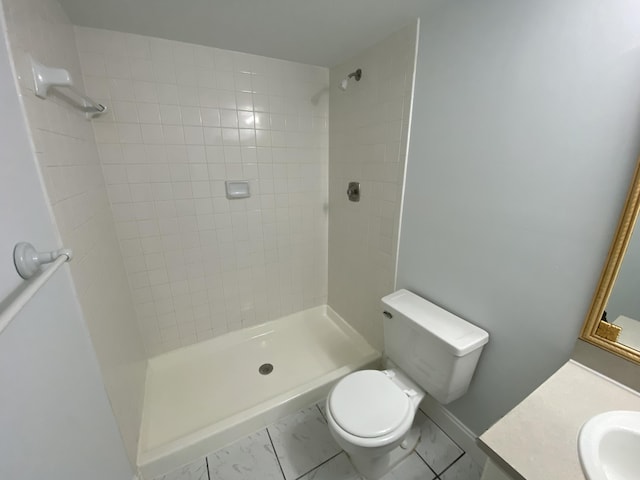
[(368, 404)]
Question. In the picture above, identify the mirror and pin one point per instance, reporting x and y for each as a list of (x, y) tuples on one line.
[(613, 321)]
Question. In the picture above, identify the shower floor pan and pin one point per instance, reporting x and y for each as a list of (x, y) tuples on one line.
[(205, 396)]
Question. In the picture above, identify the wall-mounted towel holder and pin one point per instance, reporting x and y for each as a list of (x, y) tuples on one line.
[(46, 78), (28, 262)]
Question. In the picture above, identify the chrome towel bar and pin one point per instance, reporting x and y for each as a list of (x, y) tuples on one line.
[(28, 262)]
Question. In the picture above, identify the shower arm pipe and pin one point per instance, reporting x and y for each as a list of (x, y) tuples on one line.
[(28, 262), (356, 74), (46, 78)]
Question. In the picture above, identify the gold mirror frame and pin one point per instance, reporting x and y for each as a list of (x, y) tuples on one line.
[(609, 275)]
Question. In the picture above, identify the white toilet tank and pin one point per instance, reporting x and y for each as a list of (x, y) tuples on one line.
[(435, 348)]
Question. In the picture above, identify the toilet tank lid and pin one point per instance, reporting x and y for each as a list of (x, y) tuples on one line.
[(461, 336)]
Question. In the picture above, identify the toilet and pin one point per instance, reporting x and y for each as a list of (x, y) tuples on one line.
[(427, 351)]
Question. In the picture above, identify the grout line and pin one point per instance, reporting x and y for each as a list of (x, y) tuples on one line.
[(443, 431), (276, 454), (206, 461), (320, 410), (452, 463), (425, 462), (319, 465), (450, 439)]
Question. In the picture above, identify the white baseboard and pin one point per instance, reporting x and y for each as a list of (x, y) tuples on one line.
[(453, 427)]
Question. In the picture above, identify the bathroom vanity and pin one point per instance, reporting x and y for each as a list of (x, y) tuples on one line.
[(537, 440)]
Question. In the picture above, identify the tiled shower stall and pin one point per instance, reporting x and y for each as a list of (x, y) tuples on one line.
[(184, 119), (162, 258)]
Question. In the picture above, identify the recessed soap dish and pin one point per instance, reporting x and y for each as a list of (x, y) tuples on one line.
[(237, 189)]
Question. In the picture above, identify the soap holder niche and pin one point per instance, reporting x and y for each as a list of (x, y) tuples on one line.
[(237, 189)]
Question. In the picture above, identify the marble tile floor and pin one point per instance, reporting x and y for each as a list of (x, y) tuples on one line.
[(300, 447)]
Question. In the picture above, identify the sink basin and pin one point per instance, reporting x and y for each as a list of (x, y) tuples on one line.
[(609, 446)]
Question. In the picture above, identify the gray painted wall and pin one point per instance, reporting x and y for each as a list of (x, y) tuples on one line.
[(524, 138)]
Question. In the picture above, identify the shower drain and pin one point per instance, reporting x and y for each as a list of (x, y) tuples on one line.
[(265, 369)]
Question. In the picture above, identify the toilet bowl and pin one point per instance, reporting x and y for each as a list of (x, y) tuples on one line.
[(371, 413)]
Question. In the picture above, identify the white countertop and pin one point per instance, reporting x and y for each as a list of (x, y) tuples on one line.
[(538, 438)]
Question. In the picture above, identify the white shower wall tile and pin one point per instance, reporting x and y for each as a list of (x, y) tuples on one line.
[(68, 160), (368, 137), (185, 119)]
